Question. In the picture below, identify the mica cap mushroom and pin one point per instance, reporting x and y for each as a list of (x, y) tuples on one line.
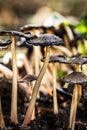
[(46, 40), (75, 78), (56, 58), (16, 33), (62, 59), (31, 27)]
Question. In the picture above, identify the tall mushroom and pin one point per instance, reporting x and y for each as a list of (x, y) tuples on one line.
[(54, 59), (77, 79), (46, 40), (36, 30), (2, 45), (12, 35)]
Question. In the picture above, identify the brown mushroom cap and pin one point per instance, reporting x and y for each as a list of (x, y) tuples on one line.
[(78, 60), (31, 27), (46, 40), (5, 43), (65, 60), (56, 58), (75, 78), (28, 78), (16, 33)]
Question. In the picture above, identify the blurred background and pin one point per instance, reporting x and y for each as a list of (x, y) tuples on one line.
[(14, 14)]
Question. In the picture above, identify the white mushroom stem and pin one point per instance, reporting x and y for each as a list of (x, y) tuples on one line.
[(55, 100), (14, 83), (75, 99), (36, 56), (36, 88), (2, 123)]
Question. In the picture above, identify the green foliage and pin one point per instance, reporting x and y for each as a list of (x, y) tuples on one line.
[(82, 26)]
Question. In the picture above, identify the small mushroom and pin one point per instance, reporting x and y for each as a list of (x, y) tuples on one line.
[(34, 29), (78, 60), (46, 40), (54, 59), (76, 78), (12, 35)]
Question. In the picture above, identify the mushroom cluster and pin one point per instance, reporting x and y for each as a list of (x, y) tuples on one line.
[(43, 61)]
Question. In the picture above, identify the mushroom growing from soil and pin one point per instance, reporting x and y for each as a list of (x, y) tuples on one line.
[(46, 40), (77, 79), (12, 35), (3, 69), (54, 59)]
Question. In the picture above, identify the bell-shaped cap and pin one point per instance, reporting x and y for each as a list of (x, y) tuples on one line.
[(75, 78), (62, 59), (46, 40), (56, 58), (15, 33), (31, 27), (78, 60)]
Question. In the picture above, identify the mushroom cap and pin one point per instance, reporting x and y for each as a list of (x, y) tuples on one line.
[(75, 78), (28, 78), (31, 26), (65, 60), (5, 43), (56, 58), (78, 60), (16, 33), (46, 40)]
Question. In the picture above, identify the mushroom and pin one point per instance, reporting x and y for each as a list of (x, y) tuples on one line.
[(54, 59), (77, 79), (34, 29), (3, 69), (46, 40), (12, 35)]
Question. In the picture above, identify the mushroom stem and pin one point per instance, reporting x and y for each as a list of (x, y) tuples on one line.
[(36, 51), (55, 102), (36, 88), (77, 67), (74, 103), (14, 83), (2, 123)]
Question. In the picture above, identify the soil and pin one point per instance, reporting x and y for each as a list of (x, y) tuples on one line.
[(45, 119)]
